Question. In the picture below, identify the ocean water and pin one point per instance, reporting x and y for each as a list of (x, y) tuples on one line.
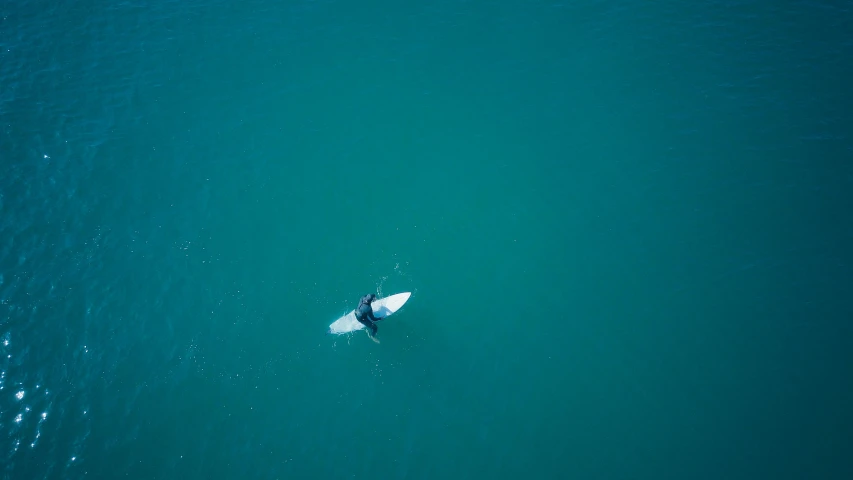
[(626, 227)]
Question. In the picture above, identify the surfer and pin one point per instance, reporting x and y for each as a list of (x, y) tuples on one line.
[(364, 314)]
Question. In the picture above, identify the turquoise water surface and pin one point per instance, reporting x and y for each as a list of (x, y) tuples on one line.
[(626, 228)]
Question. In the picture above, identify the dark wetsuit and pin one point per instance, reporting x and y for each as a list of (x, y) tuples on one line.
[(364, 314)]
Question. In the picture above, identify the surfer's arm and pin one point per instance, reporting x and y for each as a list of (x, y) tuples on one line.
[(371, 316)]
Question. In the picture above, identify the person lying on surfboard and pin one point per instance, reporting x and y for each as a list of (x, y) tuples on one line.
[(364, 314)]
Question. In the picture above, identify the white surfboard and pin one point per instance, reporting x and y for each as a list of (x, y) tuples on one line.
[(382, 308)]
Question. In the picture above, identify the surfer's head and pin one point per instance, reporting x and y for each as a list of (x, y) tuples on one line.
[(368, 298)]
